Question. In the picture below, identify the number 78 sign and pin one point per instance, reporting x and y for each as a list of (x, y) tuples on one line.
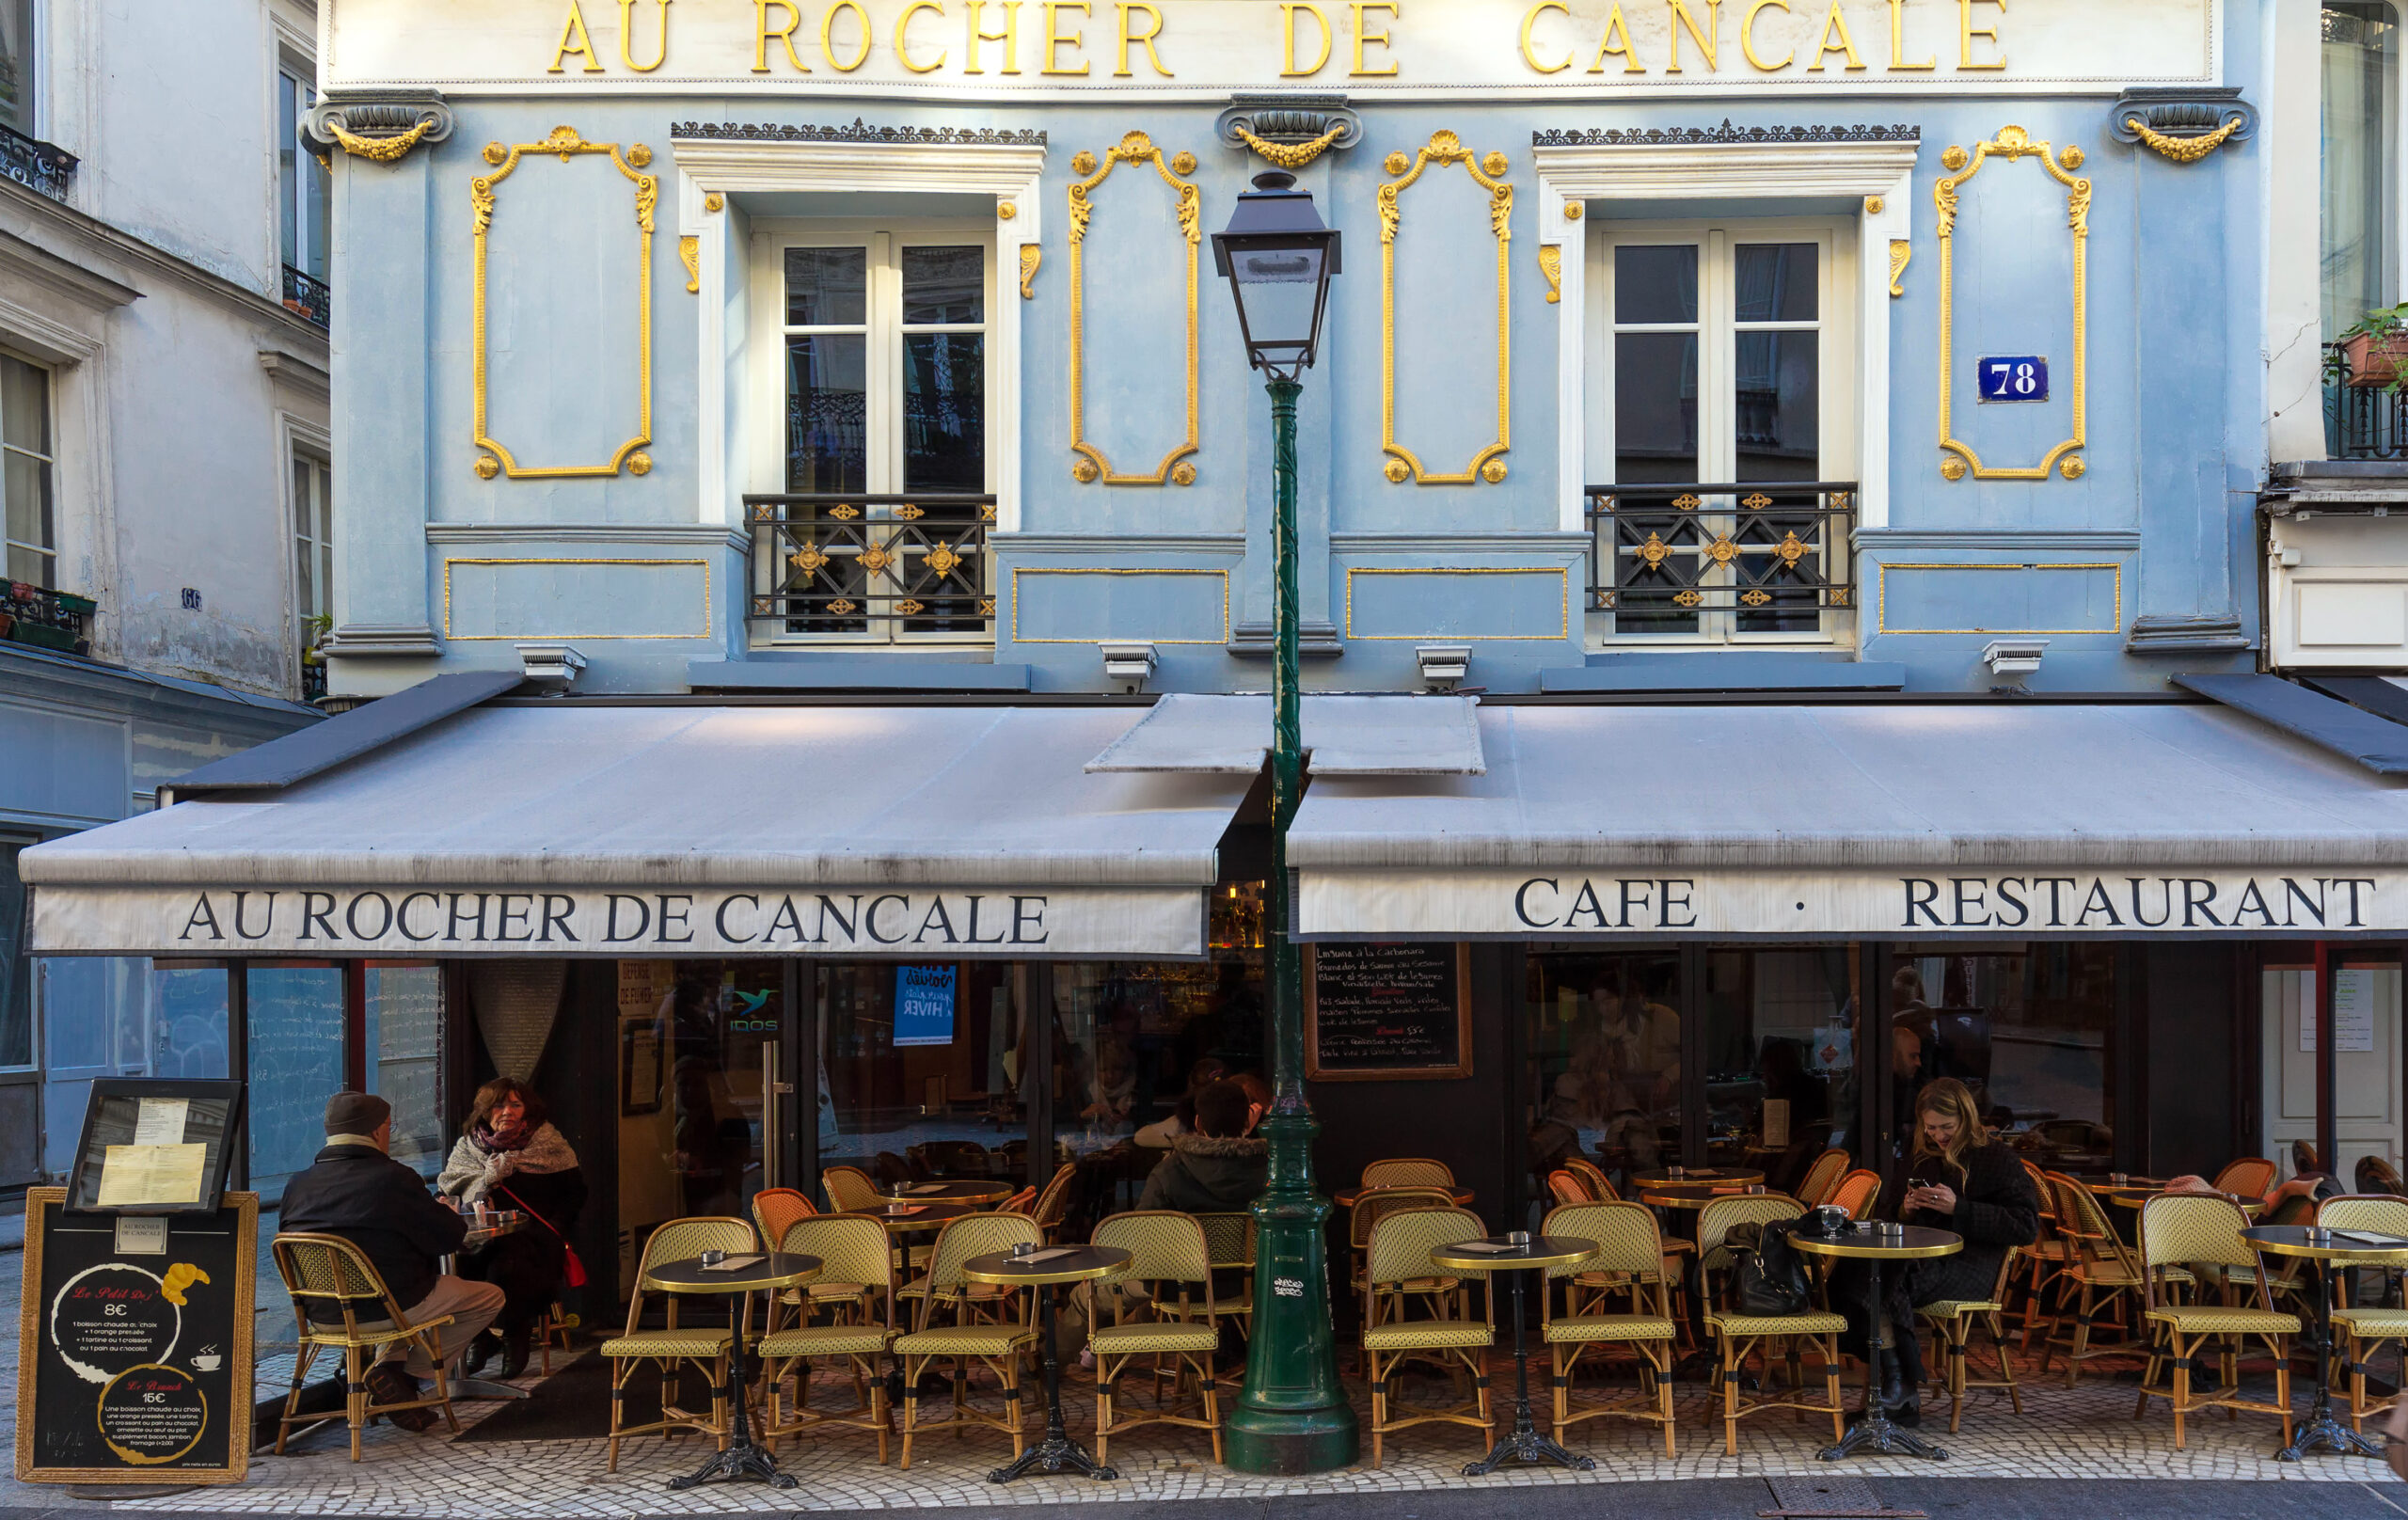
[(2014, 377)]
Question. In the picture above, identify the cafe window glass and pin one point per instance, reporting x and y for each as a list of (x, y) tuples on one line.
[(404, 1035), (1602, 1049), (296, 1027), (2030, 1029), (1719, 357), (1780, 1069), (2361, 73), (189, 1017), (16, 966), (20, 89), (923, 1071), (28, 463)]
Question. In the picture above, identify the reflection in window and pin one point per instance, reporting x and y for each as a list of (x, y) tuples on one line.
[(16, 967), (923, 1070), (295, 1027), (1604, 1061), (1780, 1070), (403, 1031), (2030, 1031), (2361, 68)]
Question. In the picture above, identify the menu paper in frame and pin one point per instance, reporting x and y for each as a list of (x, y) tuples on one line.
[(138, 1175)]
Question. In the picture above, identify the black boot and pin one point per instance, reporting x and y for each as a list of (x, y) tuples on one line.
[(1902, 1390), (481, 1350), (515, 1348)]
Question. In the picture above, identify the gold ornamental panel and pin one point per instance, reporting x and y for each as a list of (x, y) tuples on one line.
[(564, 141), (2011, 143), (1444, 148), (1134, 147)]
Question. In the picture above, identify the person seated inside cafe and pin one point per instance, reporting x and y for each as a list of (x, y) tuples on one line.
[(1221, 1164), (509, 1157), (356, 1191), (1964, 1180)]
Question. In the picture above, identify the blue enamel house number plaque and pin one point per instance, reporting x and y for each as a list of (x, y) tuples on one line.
[(2014, 377)]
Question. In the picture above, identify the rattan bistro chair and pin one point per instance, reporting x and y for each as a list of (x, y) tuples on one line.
[(1600, 1188), (1228, 1240), (2201, 1232), (2101, 1273), (2367, 1329), (671, 1348), (1168, 1252), (2250, 1178), (1857, 1192), (1738, 1336), (1822, 1175), (850, 1190), (861, 1327), (1953, 1322), (1409, 1171), (1568, 1189), (1629, 1248), (328, 1269), (1053, 1206), (1398, 1261), (945, 1329)]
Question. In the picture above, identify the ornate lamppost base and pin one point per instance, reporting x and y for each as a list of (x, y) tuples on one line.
[(1289, 1443)]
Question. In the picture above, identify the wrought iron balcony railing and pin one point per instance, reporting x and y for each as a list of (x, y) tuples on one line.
[(310, 296), (1720, 560), (2362, 422), (47, 618), (36, 165), (857, 569)]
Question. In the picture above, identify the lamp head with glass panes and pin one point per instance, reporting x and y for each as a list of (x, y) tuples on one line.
[(1278, 256)]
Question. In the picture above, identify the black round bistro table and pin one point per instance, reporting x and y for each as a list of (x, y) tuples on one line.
[(1698, 1175), (1519, 1257), (1873, 1428), (2326, 1249), (1043, 1271), (956, 1190), (764, 1273)]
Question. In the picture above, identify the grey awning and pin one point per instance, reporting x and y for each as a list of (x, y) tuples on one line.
[(588, 801), (1345, 735), (1833, 819)]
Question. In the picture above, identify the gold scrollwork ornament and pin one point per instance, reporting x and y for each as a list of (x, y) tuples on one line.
[(1133, 148), (1551, 265), (2012, 143), (2181, 149), (380, 150), (1031, 255), (1290, 155), (567, 143), (1900, 251), (689, 253), (1444, 148)]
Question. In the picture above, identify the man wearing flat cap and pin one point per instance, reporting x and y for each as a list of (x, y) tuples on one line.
[(356, 1191)]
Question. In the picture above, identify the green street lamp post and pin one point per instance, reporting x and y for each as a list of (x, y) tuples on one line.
[(1292, 1416)]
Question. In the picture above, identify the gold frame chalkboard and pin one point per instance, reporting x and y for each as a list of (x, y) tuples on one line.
[(1315, 1072)]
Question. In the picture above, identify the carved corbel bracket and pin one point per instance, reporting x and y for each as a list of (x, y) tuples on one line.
[(382, 125), (1288, 131), (2181, 125)]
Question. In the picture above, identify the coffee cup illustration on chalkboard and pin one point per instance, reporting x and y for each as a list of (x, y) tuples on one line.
[(208, 1360)]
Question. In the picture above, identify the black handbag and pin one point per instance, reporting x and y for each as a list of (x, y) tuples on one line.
[(1771, 1280)]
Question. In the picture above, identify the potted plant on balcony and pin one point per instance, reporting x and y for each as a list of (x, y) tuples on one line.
[(2372, 351)]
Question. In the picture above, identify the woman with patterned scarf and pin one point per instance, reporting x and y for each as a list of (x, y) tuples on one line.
[(509, 1157)]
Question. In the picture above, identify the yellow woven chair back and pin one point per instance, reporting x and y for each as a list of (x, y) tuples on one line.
[(1714, 1220), (328, 1266), (1404, 1238), (1627, 1239), (1822, 1175), (852, 1248), (2371, 1213), (1163, 1246), (1054, 1203), (1857, 1192), (774, 1208), (849, 1188), (976, 1235), (1600, 1189), (2248, 1178), (681, 1240), (1228, 1239), (1373, 1204), (2193, 1229), (1413, 1172)]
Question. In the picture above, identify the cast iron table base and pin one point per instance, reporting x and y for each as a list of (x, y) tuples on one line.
[(2322, 1432), (1525, 1442), (1874, 1429), (744, 1460), (1057, 1451)]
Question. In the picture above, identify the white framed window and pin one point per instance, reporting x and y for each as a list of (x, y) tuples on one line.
[(876, 474), (1721, 407), (28, 471), (301, 182), (20, 66), (314, 552)]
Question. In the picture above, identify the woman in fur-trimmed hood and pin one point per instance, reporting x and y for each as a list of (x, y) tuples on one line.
[(1221, 1166), (509, 1157)]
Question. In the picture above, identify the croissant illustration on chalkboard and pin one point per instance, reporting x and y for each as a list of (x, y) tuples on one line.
[(181, 1277)]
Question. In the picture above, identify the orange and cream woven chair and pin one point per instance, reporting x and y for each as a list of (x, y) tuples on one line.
[(1629, 1248), (854, 1249), (671, 1348), (1600, 1188), (1566, 1188), (1053, 1206), (1168, 1253), (2044, 1259), (1022, 1202), (1398, 1261), (1228, 1241), (850, 1190), (1822, 1175), (1739, 1336), (2368, 1329), (1953, 1322), (1857, 1192), (2250, 1178), (2102, 1275), (1409, 1171), (774, 1211), (328, 1268), (2197, 1236), (946, 1327)]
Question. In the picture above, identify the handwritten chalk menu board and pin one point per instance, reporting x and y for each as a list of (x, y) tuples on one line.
[(135, 1337), (1387, 1012), (155, 1146)]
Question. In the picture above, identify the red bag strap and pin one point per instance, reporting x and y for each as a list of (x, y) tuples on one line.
[(531, 1214)]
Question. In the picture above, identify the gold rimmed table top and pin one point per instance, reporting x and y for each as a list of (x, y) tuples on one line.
[(1538, 1251), (775, 1269), (923, 1215), (2341, 1245), (952, 1190), (1061, 1265), (1915, 1244), (1698, 1176)]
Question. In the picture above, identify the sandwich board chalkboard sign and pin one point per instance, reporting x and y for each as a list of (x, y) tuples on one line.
[(1393, 1012), (134, 1343)]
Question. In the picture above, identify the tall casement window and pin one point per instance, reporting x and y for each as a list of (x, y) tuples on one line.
[(2359, 246), (313, 557), (878, 519), (25, 468), (18, 66), (301, 180), (1722, 419)]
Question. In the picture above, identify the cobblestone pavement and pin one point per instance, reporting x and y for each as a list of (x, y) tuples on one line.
[(2085, 1433)]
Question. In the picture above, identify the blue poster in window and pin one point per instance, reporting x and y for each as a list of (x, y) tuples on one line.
[(924, 1005), (2013, 377)]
